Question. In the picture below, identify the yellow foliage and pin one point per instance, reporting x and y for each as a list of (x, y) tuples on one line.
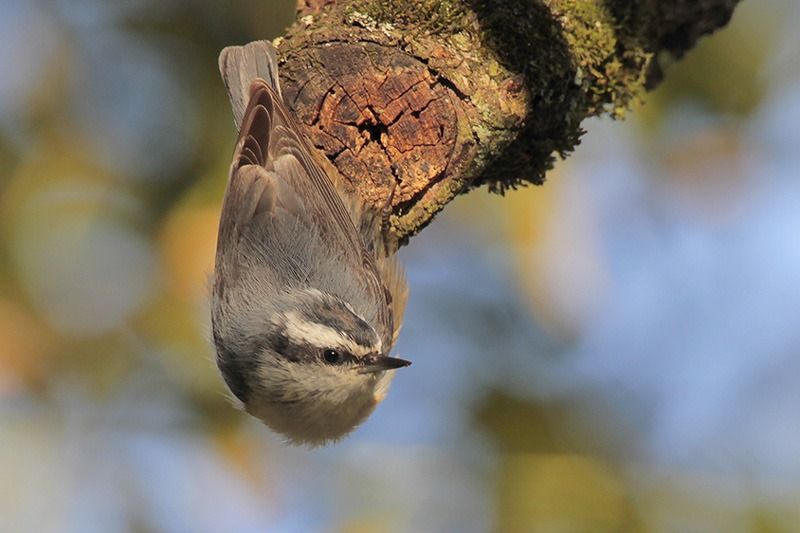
[(568, 493)]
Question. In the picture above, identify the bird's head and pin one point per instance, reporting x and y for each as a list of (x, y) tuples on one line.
[(314, 371)]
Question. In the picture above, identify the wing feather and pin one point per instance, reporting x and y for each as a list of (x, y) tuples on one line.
[(240, 65), (285, 213)]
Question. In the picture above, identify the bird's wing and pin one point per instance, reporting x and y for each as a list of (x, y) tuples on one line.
[(283, 213)]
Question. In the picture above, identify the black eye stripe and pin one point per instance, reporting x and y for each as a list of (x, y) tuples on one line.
[(298, 350), (336, 356)]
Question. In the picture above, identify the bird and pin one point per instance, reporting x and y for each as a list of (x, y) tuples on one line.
[(307, 299)]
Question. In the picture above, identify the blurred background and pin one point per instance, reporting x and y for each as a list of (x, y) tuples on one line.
[(618, 350)]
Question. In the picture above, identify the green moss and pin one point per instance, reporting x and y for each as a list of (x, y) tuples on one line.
[(577, 62), (430, 16), (610, 68)]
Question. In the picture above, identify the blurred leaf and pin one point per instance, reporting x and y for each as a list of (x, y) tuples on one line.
[(560, 493), (25, 347), (188, 242), (724, 72), (517, 425)]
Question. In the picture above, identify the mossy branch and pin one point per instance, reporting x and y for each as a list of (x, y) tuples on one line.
[(431, 98)]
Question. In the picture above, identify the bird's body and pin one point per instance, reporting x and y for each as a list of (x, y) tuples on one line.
[(306, 305)]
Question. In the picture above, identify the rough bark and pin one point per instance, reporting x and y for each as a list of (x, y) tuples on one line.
[(433, 98)]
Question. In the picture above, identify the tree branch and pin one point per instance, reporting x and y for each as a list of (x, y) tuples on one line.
[(435, 97)]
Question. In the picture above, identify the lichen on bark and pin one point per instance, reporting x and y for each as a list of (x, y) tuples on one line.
[(428, 99)]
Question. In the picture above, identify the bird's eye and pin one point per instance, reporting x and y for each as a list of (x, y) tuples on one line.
[(331, 356)]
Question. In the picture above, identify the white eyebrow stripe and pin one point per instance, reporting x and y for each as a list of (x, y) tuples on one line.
[(321, 336)]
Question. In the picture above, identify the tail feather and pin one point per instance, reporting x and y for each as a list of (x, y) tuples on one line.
[(240, 66)]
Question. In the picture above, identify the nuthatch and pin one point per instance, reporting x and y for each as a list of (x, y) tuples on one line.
[(306, 303)]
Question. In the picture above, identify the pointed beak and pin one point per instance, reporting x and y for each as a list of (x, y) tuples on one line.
[(380, 363)]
